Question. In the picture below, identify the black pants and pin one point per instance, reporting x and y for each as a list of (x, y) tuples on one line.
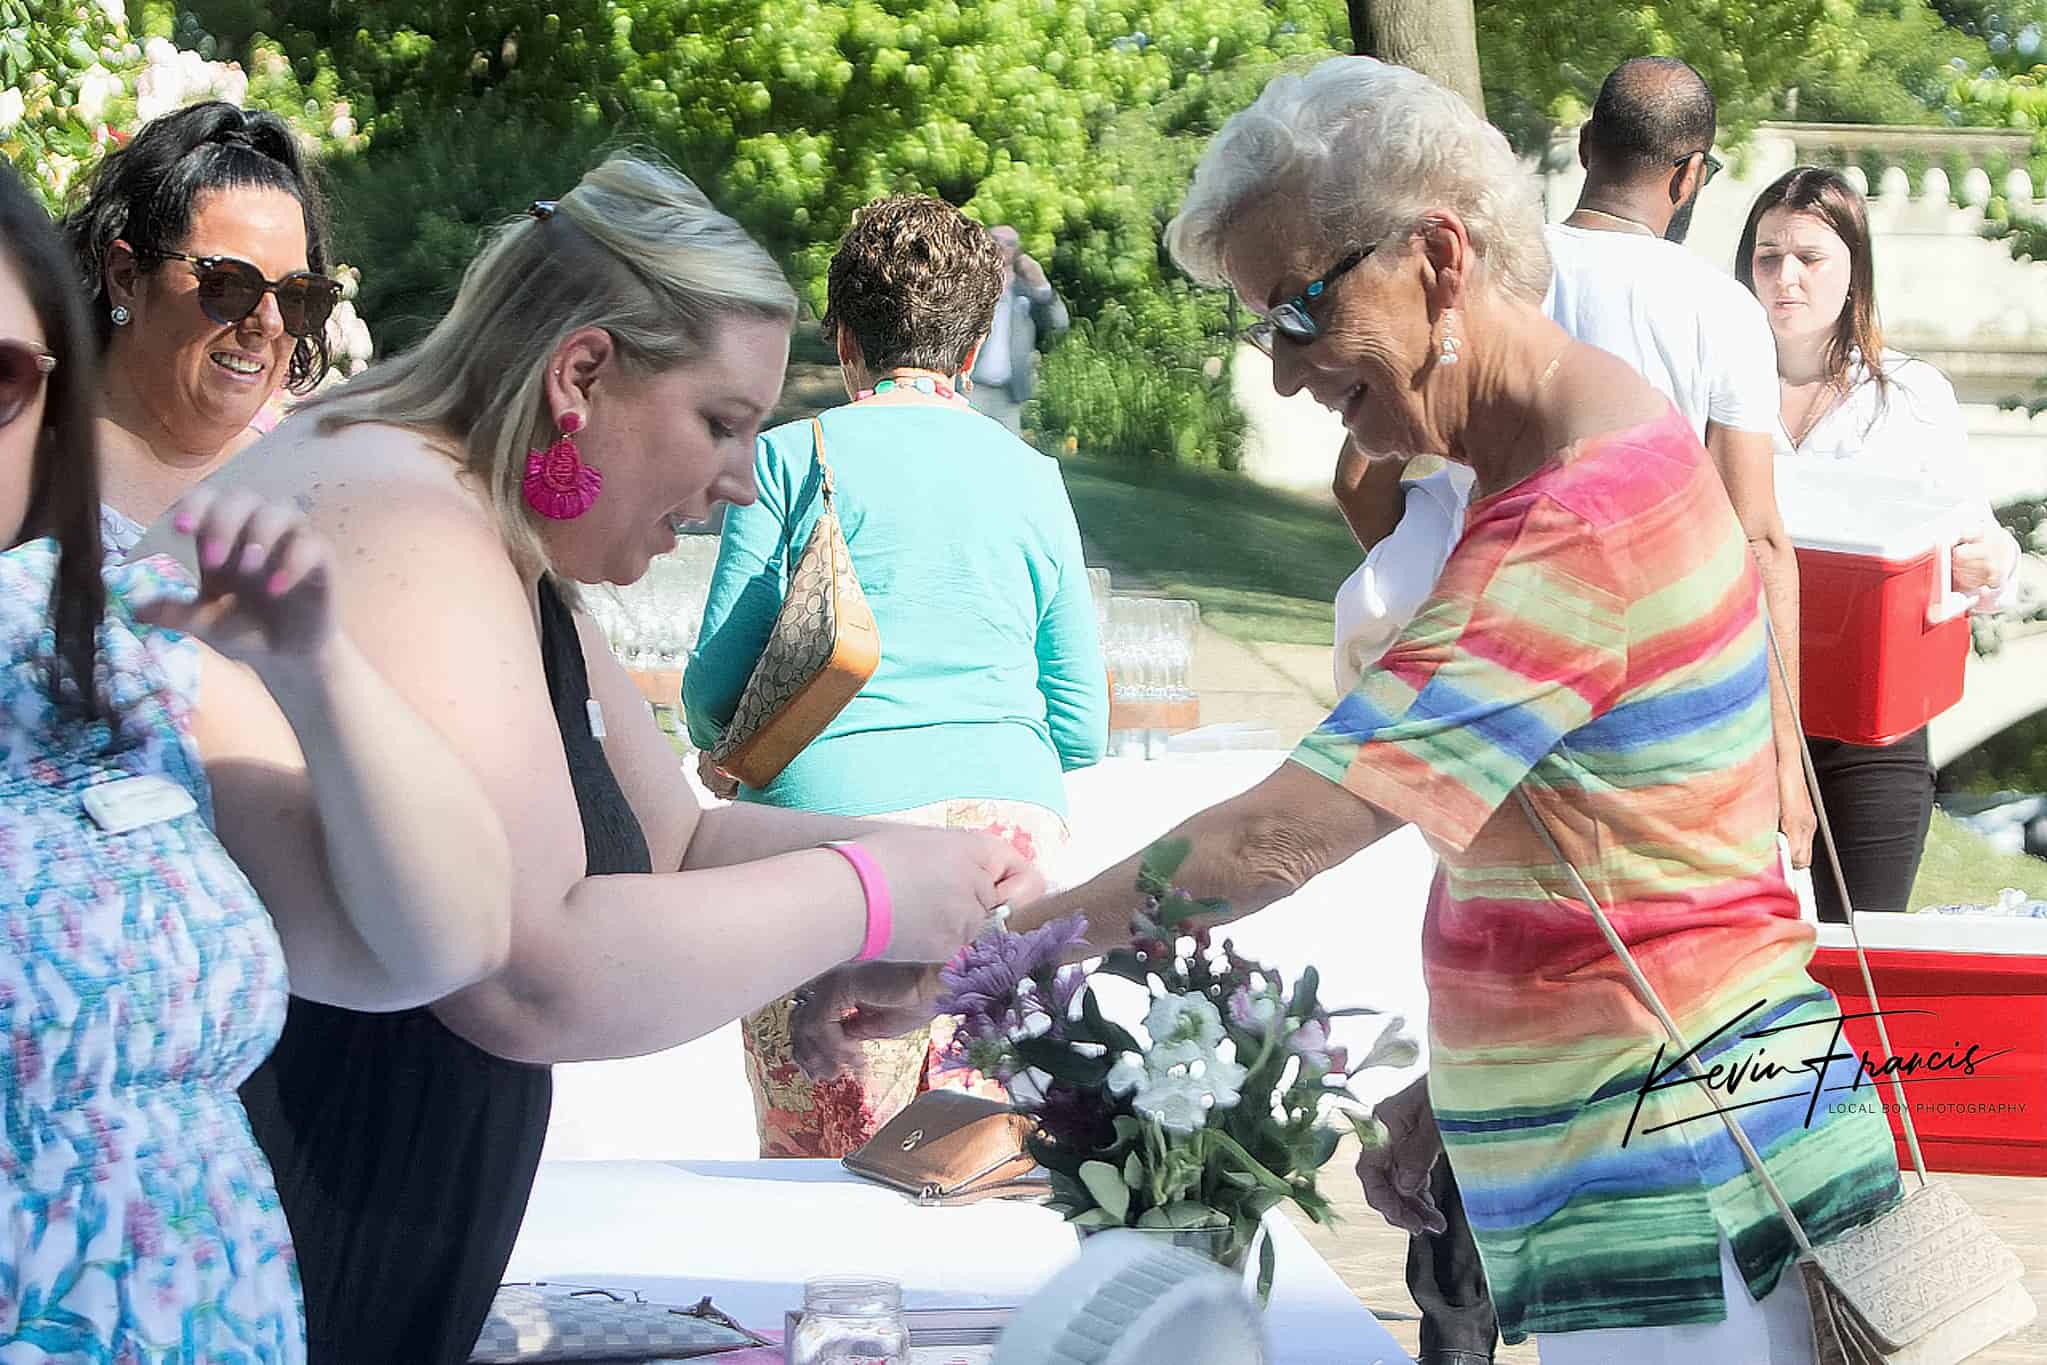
[(1879, 799), (1448, 1282)]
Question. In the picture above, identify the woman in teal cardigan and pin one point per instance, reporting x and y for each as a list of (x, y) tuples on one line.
[(991, 683)]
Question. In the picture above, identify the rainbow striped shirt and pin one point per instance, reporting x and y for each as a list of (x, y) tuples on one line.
[(1597, 639)]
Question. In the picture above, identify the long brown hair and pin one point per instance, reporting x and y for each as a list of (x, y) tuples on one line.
[(64, 485), (1828, 196)]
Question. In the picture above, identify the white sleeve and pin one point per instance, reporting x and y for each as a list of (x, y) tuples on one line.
[(1743, 356), (1924, 421), (1377, 601)]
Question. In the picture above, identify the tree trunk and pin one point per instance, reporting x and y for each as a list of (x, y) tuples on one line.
[(1438, 38)]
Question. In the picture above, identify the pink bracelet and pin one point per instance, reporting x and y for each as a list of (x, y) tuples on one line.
[(881, 908)]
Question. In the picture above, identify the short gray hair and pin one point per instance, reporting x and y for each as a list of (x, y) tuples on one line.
[(1371, 148)]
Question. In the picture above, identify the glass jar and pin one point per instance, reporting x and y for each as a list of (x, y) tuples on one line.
[(851, 1321)]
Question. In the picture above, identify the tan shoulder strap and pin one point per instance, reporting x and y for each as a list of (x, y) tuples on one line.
[(824, 469)]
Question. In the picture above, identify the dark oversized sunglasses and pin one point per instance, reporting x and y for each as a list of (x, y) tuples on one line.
[(1292, 319), (24, 366), (230, 289)]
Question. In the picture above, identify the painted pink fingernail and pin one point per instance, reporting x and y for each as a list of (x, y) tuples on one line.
[(277, 584), (253, 557), (184, 523), (212, 553)]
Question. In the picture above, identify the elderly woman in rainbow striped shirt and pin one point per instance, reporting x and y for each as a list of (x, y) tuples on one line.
[(1593, 658)]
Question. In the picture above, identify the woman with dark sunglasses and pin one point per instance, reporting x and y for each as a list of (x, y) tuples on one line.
[(202, 245), (142, 971)]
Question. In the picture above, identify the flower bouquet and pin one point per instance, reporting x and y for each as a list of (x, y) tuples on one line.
[(1194, 1130)]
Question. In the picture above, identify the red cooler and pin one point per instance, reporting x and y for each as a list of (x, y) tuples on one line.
[(1949, 984), (1881, 641)]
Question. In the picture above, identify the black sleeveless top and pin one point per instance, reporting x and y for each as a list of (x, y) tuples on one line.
[(403, 1153)]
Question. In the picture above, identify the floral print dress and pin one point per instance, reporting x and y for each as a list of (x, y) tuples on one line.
[(140, 982)]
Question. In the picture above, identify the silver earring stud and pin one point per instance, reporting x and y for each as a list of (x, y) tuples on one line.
[(121, 315), (1448, 354)]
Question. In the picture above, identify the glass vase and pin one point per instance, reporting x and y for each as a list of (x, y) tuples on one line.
[(1211, 1244)]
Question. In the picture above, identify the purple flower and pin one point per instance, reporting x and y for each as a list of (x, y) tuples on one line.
[(1065, 986), (992, 986)]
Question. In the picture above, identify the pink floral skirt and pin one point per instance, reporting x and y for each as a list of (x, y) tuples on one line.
[(801, 1118)]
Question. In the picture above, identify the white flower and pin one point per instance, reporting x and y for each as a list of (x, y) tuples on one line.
[(1028, 1086), (12, 106), (1184, 1018), (1126, 1075), (1176, 1103), (1224, 1082), (1393, 1047), (116, 12)]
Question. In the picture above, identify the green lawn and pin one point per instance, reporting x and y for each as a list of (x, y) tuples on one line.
[(1960, 868), (1263, 564)]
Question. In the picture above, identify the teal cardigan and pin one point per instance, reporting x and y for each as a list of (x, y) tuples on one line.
[(991, 682)]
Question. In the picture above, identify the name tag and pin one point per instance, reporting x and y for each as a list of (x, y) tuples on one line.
[(134, 802)]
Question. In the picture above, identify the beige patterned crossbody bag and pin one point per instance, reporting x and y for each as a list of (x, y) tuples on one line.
[(821, 652), (1924, 1283)]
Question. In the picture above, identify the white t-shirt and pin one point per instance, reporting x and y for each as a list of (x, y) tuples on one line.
[(1914, 432), (1693, 332), (995, 364)]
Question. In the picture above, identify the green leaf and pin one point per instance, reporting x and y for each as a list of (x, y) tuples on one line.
[(1105, 1183), (1095, 1218), (1306, 991), (1133, 1171), (1267, 1263), (1127, 1127), (1325, 1144), (1161, 861), (1122, 962), (1192, 1213), (1252, 1165)]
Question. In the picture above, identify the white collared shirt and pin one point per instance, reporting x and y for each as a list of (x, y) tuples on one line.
[(1914, 431)]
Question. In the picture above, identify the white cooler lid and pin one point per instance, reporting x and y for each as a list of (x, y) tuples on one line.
[(1830, 504)]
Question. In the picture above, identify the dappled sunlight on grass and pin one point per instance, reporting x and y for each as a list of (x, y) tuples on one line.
[(1263, 564)]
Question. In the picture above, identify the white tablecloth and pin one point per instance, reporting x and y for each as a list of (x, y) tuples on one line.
[(1358, 924), (748, 1233)]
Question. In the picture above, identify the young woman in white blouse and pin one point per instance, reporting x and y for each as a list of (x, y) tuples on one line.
[(1806, 255)]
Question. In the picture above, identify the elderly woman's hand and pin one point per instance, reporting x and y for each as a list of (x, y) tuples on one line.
[(840, 1010), (265, 595), (1395, 1173)]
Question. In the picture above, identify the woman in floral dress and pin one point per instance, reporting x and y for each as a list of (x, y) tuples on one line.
[(141, 978)]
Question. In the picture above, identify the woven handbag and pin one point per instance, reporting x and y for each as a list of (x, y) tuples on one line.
[(1924, 1283), (821, 652), (559, 1323)]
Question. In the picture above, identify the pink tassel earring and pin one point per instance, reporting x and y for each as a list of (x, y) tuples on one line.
[(558, 484)]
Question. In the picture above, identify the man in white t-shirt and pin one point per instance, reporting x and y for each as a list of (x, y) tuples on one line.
[(1620, 282)]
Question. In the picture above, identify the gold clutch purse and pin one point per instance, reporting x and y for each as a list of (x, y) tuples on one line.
[(951, 1147), (821, 652)]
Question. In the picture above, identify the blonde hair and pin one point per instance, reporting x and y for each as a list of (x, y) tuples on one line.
[(636, 249), (1370, 149)]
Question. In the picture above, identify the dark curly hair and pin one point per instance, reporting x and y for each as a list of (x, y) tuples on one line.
[(145, 193), (914, 283), (63, 499)]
